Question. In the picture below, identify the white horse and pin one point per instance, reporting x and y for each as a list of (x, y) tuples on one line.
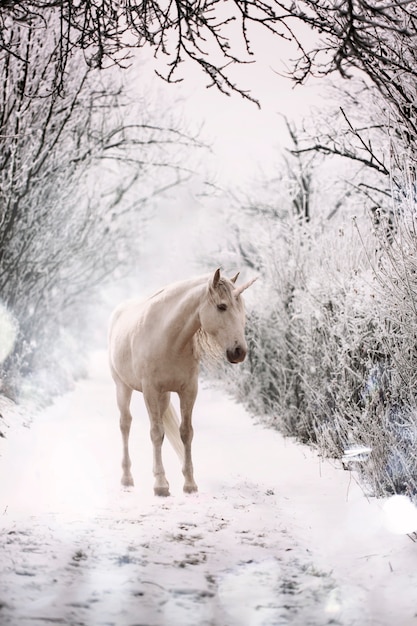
[(155, 347)]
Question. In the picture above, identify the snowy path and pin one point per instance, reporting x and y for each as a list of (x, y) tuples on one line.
[(273, 537)]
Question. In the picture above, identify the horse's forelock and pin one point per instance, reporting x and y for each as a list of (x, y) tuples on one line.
[(224, 290)]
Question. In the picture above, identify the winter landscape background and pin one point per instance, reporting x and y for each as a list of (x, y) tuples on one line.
[(114, 182)]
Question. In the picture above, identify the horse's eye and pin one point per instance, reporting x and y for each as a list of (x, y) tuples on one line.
[(222, 306)]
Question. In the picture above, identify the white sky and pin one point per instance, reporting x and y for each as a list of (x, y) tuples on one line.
[(246, 141)]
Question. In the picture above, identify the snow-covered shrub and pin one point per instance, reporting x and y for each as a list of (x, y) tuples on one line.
[(332, 344), (391, 409), (307, 340)]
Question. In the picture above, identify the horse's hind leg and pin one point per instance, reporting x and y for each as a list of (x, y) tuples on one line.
[(157, 403), (124, 395)]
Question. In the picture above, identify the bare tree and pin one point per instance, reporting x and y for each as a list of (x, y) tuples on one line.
[(357, 132), (372, 36), (369, 38), (75, 167), (300, 173)]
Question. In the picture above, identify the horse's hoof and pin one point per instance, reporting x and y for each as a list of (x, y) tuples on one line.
[(190, 488), (127, 481), (161, 491)]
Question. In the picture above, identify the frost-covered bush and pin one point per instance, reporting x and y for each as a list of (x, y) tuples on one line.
[(332, 343), (305, 335), (391, 407)]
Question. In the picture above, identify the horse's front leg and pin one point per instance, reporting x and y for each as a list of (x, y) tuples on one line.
[(187, 399), (124, 394), (157, 404)]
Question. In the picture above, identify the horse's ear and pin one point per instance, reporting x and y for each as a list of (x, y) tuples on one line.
[(234, 279), (216, 279)]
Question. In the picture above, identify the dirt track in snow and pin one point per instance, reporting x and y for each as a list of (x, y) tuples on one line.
[(256, 546)]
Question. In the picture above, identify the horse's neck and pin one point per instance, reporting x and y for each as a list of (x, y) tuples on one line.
[(181, 303)]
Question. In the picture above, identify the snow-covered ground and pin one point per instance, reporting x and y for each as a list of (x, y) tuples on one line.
[(275, 535)]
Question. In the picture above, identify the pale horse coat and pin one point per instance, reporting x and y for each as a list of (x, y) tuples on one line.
[(155, 347)]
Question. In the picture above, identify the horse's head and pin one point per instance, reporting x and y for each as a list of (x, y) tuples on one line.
[(222, 316)]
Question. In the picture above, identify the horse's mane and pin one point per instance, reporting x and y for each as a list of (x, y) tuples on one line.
[(207, 348)]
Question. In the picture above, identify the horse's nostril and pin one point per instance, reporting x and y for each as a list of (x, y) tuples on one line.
[(237, 355)]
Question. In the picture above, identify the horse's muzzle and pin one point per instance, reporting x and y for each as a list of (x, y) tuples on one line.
[(237, 355)]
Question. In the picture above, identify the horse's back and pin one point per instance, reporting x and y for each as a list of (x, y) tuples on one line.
[(147, 343), (125, 315)]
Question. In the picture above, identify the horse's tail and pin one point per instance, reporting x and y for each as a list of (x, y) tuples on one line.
[(172, 431)]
